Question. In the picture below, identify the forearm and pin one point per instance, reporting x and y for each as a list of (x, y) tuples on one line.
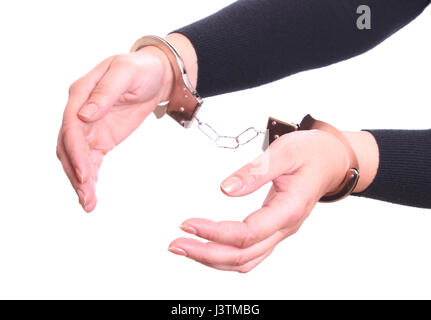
[(188, 54), (253, 42), (394, 165), (403, 174), (367, 151)]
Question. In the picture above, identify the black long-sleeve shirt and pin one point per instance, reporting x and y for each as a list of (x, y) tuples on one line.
[(253, 42)]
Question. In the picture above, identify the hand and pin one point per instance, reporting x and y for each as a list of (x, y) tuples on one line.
[(106, 106), (303, 166)]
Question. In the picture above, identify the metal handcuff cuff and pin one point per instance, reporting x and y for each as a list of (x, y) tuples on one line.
[(185, 102)]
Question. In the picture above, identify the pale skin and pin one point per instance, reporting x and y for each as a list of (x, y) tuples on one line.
[(112, 100)]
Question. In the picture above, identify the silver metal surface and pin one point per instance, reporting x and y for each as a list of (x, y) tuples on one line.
[(184, 101), (228, 142)]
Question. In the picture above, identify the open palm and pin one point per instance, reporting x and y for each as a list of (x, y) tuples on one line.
[(298, 182)]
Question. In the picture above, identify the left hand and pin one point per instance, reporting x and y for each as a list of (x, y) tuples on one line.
[(105, 106), (303, 166)]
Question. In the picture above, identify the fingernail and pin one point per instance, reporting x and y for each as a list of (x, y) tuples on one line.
[(82, 198), (88, 111), (231, 184), (188, 229), (178, 251)]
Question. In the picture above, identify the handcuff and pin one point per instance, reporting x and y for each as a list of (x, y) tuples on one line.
[(185, 102)]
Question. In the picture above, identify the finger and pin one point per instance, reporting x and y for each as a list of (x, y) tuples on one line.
[(86, 191), (244, 268), (67, 167), (78, 94), (284, 210), (114, 83), (219, 254), (81, 89), (96, 160), (271, 194), (279, 158), (78, 151)]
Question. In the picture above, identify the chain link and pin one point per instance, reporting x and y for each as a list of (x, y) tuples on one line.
[(228, 142)]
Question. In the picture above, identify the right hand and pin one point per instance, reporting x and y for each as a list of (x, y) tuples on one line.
[(301, 171), (303, 166), (105, 107)]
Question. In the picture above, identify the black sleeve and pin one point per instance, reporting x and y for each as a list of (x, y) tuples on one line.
[(253, 42), (404, 174)]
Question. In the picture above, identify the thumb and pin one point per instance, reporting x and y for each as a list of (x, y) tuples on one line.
[(278, 159), (114, 83)]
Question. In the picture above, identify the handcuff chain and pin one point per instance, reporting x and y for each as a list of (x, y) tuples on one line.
[(228, 142)]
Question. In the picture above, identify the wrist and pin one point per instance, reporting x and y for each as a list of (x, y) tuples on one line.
[(187, 53), (167, 81), (367, 151)]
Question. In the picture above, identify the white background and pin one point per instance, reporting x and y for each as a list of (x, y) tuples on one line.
[(162, 174)]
